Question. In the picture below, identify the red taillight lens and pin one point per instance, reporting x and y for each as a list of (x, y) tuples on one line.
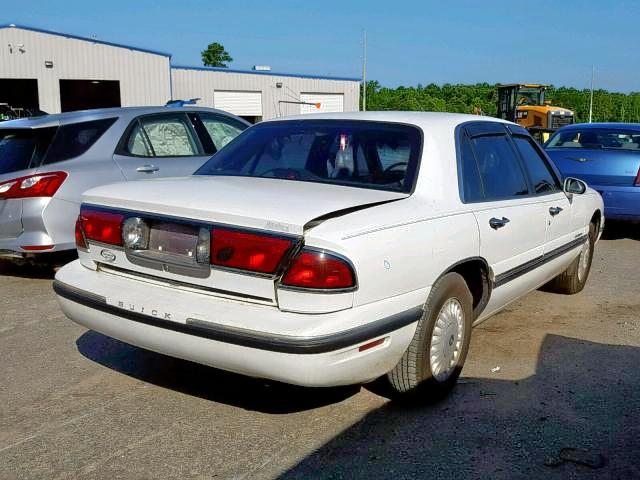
[(321, 270), (637, 182), (80, 241), (41, 185), (36, 248), (247, 251), (104, 227)]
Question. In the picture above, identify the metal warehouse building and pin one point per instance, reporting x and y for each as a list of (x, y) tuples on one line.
[(57, 72)]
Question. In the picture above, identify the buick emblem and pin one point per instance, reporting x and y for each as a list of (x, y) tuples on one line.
[(108, 256)]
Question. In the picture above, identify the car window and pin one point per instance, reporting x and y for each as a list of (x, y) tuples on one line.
[(472, 184), (73, 140), (138, 143), (162, 136), (21, 149), (540, 173), (596, 138), (500, 170), (221, 130), (290, 153), (396, 153), (355, 153)]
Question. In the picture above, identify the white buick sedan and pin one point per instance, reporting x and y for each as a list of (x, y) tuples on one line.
[(333, 249)]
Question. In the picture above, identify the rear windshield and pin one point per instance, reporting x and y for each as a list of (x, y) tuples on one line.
[(354, 153), (596, 138), (23, 149)]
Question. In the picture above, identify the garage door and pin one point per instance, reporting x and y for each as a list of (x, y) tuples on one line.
[(88, 94), (329, 102), (19, 93), (244, 104)]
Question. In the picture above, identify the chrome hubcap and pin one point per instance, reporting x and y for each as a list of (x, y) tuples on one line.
[(583, 262), (446, 340)]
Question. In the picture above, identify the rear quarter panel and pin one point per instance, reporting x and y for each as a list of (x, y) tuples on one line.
[(399, 247), (93, 168)]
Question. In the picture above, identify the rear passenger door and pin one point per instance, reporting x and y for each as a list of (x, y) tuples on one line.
[(511, 221), (160, 145)]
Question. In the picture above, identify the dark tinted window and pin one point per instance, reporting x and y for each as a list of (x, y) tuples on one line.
[(22, 149), (539, 172), (355, 153), (499, 167), (596, 138), (472, 185), (75, 139)]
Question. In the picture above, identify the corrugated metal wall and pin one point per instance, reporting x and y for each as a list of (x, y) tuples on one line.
[(198, 83), (144, 77)]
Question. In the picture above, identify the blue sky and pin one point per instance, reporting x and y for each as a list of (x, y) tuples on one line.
[(409, 42)]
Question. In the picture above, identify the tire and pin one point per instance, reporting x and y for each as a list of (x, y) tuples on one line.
[(573, 279), (416, 376)]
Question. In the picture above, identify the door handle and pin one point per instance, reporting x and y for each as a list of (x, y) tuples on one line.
[(497, 223), (147, 169), (554, 211)]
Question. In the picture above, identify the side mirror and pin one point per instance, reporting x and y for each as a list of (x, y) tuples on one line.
[(574, 186)]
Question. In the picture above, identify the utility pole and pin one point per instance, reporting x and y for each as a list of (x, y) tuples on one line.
[(591, 97), (364, 72)]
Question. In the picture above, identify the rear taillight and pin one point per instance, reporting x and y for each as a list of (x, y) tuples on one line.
[(40, 185), (319, 270), (101, 226), (247, 251), (80, 241), (637, 182)]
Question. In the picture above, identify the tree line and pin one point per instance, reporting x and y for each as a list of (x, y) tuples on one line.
[(482, 97)]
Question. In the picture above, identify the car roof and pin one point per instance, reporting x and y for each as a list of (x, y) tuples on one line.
[(621, 125), (422, 119), (56, 119)]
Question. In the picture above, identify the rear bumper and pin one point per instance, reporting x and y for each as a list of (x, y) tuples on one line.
[(44, 224), (620, 203), (311, 352)]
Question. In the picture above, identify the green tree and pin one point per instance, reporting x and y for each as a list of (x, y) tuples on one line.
[(215, 56), (481, 97)]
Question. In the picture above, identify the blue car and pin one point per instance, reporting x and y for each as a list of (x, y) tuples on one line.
[(607, 157)]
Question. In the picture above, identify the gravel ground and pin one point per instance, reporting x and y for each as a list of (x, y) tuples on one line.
[(77, 404)]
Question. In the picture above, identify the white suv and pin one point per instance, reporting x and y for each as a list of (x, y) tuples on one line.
[(333, 249)]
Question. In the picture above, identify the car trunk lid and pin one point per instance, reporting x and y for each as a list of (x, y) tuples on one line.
[(275, 207), (606, 167)]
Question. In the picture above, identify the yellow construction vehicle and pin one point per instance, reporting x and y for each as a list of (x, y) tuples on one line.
[(524, 103)]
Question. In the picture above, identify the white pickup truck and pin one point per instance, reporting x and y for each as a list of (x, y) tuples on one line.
[(334, 249)]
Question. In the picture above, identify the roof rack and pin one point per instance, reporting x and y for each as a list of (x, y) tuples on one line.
[(181, 103)]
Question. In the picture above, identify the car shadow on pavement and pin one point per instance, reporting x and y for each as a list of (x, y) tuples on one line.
[(615, 230), (206, 382), (11, 269), (583, 396), (44, 267)]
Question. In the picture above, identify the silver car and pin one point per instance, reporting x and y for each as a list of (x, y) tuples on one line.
[(47, 162)]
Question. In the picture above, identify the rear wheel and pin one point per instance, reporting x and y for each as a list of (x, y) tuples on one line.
[(574, 278), (430, 366)]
